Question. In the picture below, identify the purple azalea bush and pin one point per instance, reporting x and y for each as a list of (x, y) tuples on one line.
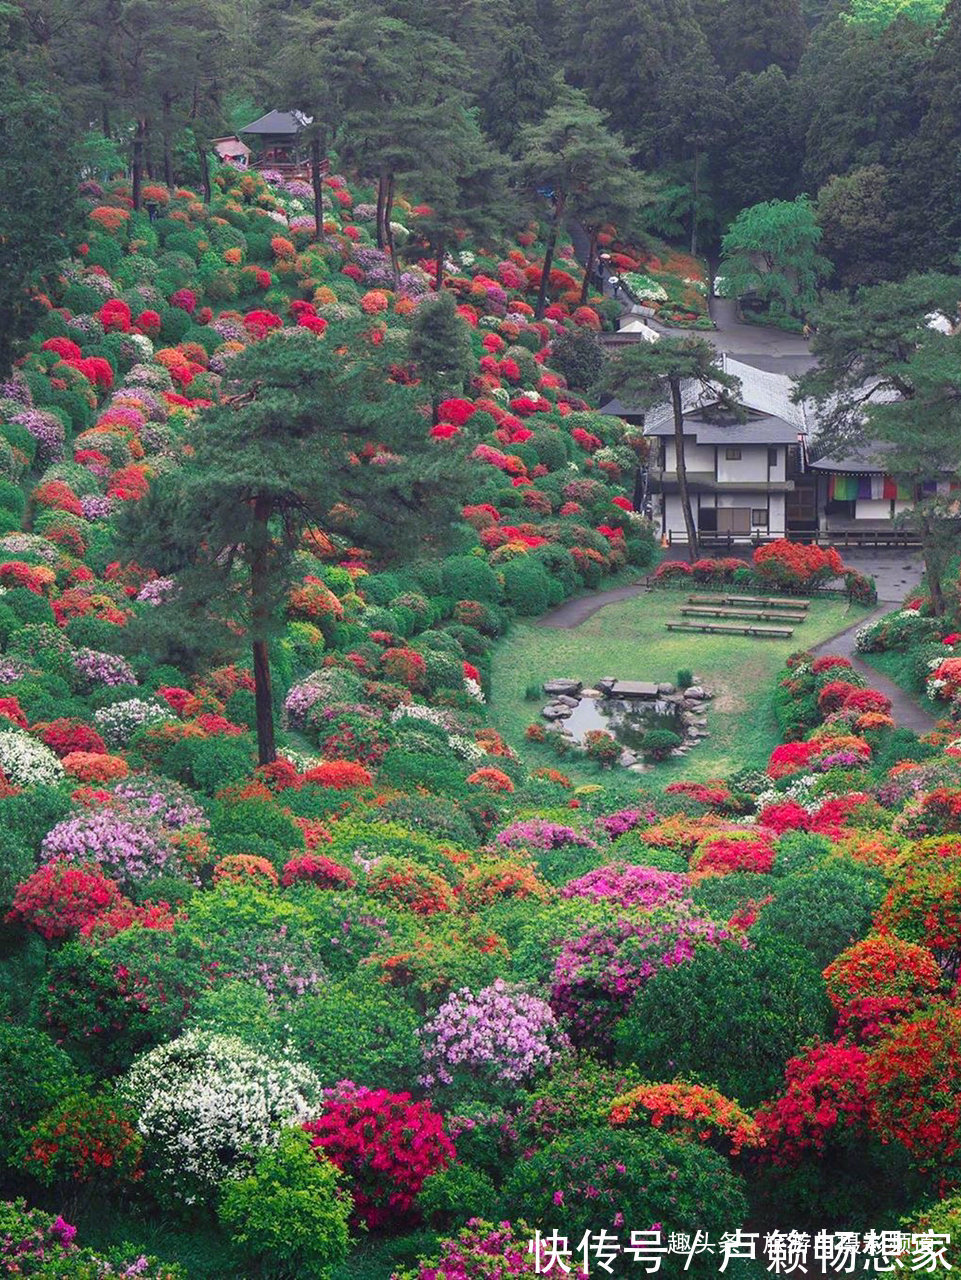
[(631, 886), (502, 1034), (129, 848), (95, 668), (597, 975)]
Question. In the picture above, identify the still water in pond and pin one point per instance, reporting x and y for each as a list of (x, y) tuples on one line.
[(627, 720)]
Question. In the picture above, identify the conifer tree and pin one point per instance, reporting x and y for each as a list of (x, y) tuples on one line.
[(309, 432), (439, 346)]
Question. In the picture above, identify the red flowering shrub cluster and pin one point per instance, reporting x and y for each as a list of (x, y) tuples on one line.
[(879, 979), (793, 565), (386, 1144)]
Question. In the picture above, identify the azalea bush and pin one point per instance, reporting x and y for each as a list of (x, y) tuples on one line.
[(386, 1145)]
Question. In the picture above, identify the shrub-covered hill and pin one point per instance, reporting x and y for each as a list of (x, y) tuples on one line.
[(338, 1014)]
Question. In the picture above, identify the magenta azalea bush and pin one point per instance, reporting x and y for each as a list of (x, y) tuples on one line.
[(629, 886)]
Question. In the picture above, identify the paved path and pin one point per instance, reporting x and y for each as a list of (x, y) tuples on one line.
[(573, 612), (905, 710)]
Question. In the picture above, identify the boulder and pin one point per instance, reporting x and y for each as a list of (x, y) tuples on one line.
[(556, 711), (627, 759), (566, 701), (695, 693), (665, 689), (562, 686)]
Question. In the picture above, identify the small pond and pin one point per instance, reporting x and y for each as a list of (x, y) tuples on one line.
[(627, 719)]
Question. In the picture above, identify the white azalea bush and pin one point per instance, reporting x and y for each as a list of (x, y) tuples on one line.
[(119, 722), (27, 763), (207, 1104)]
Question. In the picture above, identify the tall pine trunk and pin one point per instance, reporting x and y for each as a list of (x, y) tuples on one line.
[(681, 465), (695, 192), (559, 205), (204, 161), (168, 142), (589, 268), (317, 180), (259, 618), (381, 203), (137, 167), (439, 267), (933, 557)]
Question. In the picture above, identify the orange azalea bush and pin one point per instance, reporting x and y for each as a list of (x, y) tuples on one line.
[(692, 1111), (246, 868), (491, 780), (89, 766)]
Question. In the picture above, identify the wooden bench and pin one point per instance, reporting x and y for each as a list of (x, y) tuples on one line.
[(764, 602), (757, 615), (723, 628)]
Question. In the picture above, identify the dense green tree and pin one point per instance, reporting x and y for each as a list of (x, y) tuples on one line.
[(396, 96), (625, 56), (439, 346), (878, 14), (860, 94), (862, 345), (921, 432), (752, 35), (770, 251), (313, 432), (764, 144), (854, 213), (929, 166), (646, 374), (586, 167), (38, 173)]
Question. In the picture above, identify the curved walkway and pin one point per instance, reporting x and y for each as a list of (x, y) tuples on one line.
[(573, 612), (905, 710)]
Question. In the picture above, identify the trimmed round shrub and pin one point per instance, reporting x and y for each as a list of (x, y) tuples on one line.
[(729, 1016), (289, 1216)]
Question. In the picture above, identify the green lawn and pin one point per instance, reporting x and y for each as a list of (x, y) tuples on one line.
[(629, 640)]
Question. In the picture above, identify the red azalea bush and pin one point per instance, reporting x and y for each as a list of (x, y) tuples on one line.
[(830, 661), (404, 666), (324, 873), (826, 1095), (408, 885), (792, 565), (712, 794), (692, 1111), (878, 980), (914, 1081), (83, 1140), (866, 700), (785, 815), (63, 898), (731, 851), (10, 709), (834, 695), (673, 571), (386, 1144), (341, 775), (490, 779)]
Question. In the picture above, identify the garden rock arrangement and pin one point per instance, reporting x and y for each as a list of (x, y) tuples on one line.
[(567, 696)]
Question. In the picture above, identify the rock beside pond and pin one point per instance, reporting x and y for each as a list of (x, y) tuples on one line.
[(695, 693), (607, 684), (566, 687), (591, 693), (665, 689), (556, 711), (565, 701)]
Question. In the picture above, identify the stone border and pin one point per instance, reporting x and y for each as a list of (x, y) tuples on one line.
[(566, 695)]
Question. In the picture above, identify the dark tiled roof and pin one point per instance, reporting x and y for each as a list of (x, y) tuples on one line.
[(278, 123)]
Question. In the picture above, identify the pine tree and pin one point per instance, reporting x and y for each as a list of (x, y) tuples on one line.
[(574, 155), (440, 348), (310, 432), (646, 374)]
